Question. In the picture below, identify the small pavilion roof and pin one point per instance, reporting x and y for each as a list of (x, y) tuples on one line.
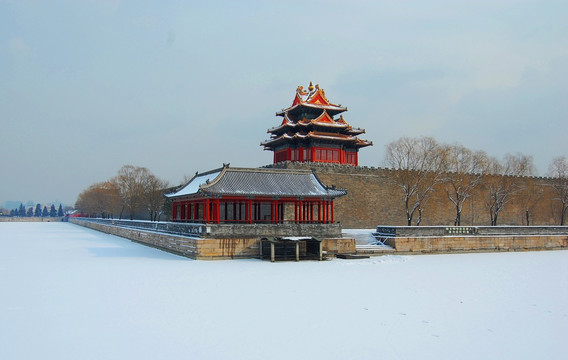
[(323, 120), (195, 183), (257, 182), (345, 138), (313, 98)]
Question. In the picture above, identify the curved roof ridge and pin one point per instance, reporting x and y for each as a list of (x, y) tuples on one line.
[(222, 172), (194, 185), (271, 170), (323, 118)]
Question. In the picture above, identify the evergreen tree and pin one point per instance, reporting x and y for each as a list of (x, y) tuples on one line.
[(12, 212), (30, 212), (22, 210), (60, 211), (45, 213), (37, 212), (52, 211)]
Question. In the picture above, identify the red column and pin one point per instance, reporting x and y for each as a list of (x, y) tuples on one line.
[(217, 211), (332, 211), (206, 210), (249, 211), (311, 211), (174, 211), (275, 211)]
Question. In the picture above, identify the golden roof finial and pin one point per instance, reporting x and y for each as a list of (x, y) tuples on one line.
[(311, 87)]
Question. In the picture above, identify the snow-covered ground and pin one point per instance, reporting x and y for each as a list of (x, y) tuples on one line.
[(361, 236), (68, 292)]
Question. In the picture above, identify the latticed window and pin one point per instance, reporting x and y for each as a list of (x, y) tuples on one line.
[(351, 158)]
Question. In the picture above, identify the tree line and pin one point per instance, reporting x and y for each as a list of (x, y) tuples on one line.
[(22, 211), (133, 190), (424, 166)]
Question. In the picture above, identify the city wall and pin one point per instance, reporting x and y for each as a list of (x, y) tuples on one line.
[(374, 199)]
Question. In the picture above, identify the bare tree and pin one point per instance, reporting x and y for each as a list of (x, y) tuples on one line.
[(154, 196), (529, 196), (465, 171), (504, 181), (131, 181), (99, 199), (133, 188), (558, 171), (419, 164)]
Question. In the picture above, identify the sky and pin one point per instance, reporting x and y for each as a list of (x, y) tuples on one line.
[(184, 86)]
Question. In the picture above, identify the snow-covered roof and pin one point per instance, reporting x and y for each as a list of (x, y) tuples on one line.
[(259, 182), (354, 141), (331, 109), (195, 183), (313, 98)]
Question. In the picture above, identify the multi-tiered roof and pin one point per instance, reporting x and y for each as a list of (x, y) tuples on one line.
[(310, 131)]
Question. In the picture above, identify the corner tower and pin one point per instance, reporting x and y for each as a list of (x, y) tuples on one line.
[(311, 132)]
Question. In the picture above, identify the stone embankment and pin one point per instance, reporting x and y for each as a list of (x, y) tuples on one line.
[(29, 219), (440, 239), (215, 241), (209, 242)]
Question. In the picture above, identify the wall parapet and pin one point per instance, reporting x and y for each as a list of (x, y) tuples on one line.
[(443, 231), (228, 230), (177, 228)]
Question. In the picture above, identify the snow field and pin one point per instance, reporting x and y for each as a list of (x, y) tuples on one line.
[(73, 293)]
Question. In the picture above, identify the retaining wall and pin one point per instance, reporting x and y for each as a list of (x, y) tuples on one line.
[(473, 238), (477, 243), (29, 219), (205, 248)]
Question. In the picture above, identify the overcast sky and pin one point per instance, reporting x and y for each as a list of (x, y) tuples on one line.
[(184, 86)]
